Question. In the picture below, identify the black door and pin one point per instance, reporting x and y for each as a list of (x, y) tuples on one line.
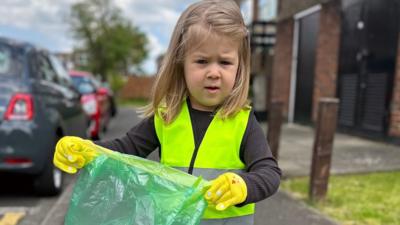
[(308, 34), (367, 63)]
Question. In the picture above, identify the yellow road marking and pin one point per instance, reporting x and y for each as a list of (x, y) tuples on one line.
[(11, 218)]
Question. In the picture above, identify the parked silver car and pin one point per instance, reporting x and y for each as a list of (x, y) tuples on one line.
[(38, 105)]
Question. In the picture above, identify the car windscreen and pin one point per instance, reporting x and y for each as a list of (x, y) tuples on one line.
[(11, 62), (83, 84)]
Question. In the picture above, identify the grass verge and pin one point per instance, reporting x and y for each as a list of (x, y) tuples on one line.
[(369, 199)]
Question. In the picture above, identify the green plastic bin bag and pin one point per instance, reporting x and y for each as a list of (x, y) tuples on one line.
[(119, 189)]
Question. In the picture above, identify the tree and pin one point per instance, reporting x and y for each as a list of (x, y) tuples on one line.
[(111, 42)]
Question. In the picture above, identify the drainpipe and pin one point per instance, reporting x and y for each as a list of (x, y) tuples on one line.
[(255, 10)]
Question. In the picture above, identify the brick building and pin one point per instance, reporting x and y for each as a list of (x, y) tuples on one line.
[(137, 87), (347, 49)]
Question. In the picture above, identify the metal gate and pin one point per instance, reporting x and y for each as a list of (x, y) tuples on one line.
[(367, 64)]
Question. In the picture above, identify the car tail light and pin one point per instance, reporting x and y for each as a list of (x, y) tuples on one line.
[(17, 161), (20, 107), (89, 104)]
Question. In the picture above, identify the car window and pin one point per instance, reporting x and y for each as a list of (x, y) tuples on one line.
[(96, 82), (46, 70), (10, 61), (62, 74), (83, 84)]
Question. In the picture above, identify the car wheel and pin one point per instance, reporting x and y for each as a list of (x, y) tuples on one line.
[(50, 182), (105, 127), (96, 137), (113, 107)]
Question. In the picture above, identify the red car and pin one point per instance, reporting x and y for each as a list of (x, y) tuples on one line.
[(95, 100)]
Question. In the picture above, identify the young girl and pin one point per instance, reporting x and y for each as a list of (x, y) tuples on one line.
[(199, 117)]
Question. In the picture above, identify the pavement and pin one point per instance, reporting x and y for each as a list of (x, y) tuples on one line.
[(350, 155)]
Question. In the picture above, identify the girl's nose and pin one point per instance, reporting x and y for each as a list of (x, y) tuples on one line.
[(214, 71)]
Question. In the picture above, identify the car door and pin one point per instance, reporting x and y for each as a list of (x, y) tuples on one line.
[(71, 109), (58, 104)]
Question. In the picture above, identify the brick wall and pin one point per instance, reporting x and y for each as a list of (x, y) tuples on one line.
[(280, 80), (394, 127), (327, 50), (290, 7), (138, 87)]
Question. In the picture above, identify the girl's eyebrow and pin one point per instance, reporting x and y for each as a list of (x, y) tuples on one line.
[(226, 56), (198, 54)]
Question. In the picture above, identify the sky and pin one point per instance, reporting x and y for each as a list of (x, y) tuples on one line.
[(43, 22)]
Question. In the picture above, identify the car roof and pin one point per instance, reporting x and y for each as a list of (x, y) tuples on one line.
[(22, 45), (79, 73)]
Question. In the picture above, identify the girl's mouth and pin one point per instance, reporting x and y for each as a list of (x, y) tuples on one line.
[(212, 89)]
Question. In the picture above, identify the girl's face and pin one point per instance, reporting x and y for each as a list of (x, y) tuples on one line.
[(210, 72)]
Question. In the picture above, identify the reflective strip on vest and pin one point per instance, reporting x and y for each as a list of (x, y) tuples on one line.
[(218, 152), (241, 220)]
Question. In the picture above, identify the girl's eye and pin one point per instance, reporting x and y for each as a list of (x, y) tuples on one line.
[(201, 61), (225, 63)]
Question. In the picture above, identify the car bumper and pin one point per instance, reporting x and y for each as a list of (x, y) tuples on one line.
[(25, 147), (94, 126)]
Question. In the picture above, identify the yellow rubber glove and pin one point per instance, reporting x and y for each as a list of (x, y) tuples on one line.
[(73, 153), (227, 190)]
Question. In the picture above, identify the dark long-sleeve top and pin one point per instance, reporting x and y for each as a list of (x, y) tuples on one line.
[(262, 174)]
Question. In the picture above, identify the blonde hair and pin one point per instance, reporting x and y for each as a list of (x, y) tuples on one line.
[(220, 17)]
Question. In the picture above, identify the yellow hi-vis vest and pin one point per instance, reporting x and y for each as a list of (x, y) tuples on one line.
[(219, 151)]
